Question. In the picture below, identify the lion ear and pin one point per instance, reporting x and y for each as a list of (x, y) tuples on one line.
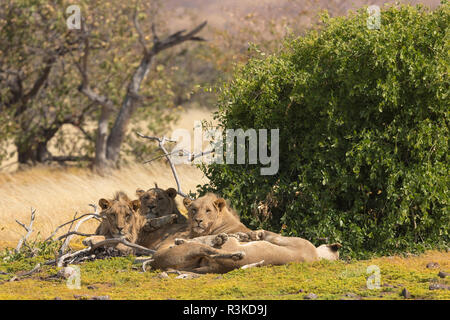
[(135, 205), (220, 203), (187, 202), (139, 192), (171, 192), (104, 204)]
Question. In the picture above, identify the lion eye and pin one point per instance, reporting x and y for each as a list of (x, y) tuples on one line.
[(208, 211)]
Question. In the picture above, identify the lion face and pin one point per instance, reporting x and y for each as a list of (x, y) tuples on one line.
[(157, 202), (203, 213), (121, 216)]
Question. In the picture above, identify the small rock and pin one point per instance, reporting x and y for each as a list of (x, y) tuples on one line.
[(81, 296), (300, 291), (3, 273), (92, 287), (439, 286), (100, 298), (187, 276), (352, 295), (405, 293), (433, 265), (57, 298), (310, 296), (66, 272), (443, 274), (163, 275), (218, 278)]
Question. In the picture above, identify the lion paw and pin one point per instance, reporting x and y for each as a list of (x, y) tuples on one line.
[(238, 256), (179, 241), (220, 239), (242, 236), (256, 235)]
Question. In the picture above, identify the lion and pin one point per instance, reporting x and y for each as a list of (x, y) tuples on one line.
[(218, 243), (210, 215), (155, 220), (157, 203), (164, 222), (119, 220), (207, 215), (223, 253)]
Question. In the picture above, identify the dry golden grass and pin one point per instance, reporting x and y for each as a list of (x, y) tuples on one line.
[(57, 194)]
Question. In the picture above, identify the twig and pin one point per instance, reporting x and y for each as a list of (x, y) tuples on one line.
[(29, 230), (61, 259), (161, 142), (17, 277), (144, 264), (75, 233), (35, 269), (93, 215), (124, 242), (139, 31), (77, 226)]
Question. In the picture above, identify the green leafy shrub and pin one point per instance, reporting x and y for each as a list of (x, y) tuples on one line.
[(364, 124)]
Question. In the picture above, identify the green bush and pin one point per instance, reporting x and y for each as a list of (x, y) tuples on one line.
[(364, 124)]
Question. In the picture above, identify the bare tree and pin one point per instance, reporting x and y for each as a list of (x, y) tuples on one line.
[(108, 144)]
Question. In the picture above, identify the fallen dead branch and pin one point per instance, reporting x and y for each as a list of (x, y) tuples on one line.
[(77, 226), (29, 230), (64, 256), (74, 233), (93, 215), (25, 274), (113, 241)]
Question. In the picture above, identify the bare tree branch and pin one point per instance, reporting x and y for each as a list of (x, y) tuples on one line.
[(177, 38), (77, 226), (74, 233), (139, 31), (124, 242), (29, 230), (60, 260), (93, 215), (128, 104), (161, 142)]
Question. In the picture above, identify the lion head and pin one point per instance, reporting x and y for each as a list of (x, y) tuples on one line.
[(210, 214), (156, 202), (121, 219)]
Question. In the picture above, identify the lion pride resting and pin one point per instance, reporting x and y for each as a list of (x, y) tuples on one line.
[(213, 240), (123, 218), (230, 249), (153, 221)]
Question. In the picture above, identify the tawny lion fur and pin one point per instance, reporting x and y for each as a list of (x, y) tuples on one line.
[(221, 253)]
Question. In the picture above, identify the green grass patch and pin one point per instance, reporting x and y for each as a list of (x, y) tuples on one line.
[(120, 278)]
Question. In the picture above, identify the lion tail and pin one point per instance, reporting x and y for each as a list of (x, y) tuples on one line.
[(329, 251)]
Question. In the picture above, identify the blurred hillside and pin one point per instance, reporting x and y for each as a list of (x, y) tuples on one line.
[(221, 13)]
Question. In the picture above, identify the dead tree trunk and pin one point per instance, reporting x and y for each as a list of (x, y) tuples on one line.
[(108, 145)]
